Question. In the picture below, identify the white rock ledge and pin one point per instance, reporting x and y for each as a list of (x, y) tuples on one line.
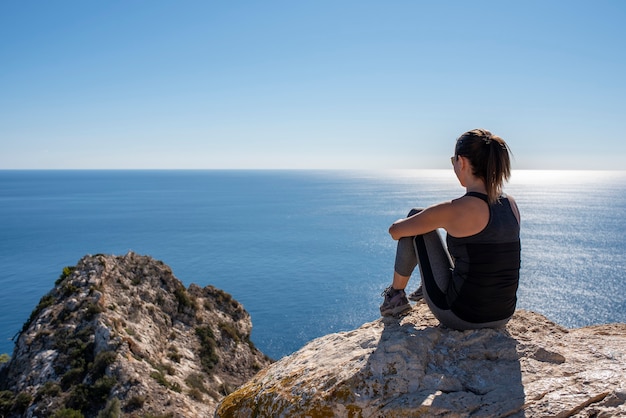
[(413, 367)]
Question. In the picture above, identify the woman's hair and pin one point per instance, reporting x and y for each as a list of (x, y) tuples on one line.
[(489, 156)]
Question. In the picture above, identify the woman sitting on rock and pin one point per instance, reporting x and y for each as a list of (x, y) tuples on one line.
[(473, 283)]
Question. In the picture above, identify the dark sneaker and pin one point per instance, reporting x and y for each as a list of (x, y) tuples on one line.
[(417, 295), (395, 302)]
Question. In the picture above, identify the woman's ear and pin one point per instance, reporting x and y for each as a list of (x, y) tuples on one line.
[(464, 167), (463, 162)]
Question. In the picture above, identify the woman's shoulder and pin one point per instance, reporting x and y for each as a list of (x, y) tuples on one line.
[(471, 216), (508, 197), (513, 205)]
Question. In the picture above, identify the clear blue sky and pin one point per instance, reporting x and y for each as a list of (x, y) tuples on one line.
[(309, 84)]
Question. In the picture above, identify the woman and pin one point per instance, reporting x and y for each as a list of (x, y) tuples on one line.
[(473, 283)]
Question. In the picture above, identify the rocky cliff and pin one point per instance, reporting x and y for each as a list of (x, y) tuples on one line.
[(413, 367), (122, 336)]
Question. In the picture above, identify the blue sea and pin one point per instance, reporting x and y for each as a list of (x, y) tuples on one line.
[(306, 252)]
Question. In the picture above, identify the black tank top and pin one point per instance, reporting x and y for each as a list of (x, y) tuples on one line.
[(486, 267)]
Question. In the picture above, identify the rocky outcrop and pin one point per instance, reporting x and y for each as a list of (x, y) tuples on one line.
[(122, 336), (413, 367)]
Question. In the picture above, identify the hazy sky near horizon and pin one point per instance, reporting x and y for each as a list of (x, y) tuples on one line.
[(309, 84)]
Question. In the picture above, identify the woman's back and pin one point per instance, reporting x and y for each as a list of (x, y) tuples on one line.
[(486, 267)]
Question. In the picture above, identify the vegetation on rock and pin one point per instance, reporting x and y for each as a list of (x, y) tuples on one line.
[(122, 335)]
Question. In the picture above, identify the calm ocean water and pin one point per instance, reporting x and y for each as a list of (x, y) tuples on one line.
[(306, 252)]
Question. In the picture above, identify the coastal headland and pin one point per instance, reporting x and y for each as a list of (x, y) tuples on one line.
[(121, 336)]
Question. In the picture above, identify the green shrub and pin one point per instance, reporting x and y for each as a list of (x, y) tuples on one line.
[(161, 380), (79, 397), (135, 280), (75, 348), (22, 400), (49, 389), (70, 289), (100, 390), (196, 395), (67, 271), (218, 299), (44, 302), (68, 413), (72, 377), (184, 300), (111, 410), (230, 331), (174, 355), (4, 358), (7, 399), (136, 402), (102, 361), (169, 369), (86, 397), (196, 381), (93, 309), (208, 345)]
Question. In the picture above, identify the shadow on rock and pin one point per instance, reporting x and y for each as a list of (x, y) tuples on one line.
[(390, 368), (420, 368)]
